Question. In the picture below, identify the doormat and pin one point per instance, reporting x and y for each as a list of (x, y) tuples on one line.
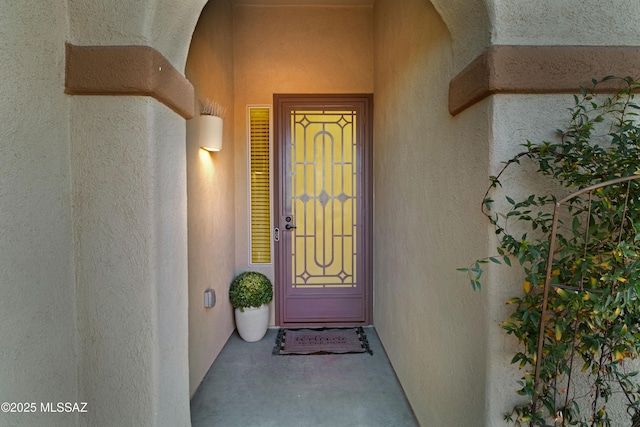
[(321, 341)]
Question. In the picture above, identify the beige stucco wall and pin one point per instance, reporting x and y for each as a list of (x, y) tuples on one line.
[(517, 118), (93, 223), (292, 49), (429, 173), (166, 25), (568, 22), (469, 26), (131, 230), (123, 270), (93, 206), (210, 193), (38, 352), (514, 122)]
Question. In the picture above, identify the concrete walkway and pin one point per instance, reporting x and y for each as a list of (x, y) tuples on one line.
[(248, 386)]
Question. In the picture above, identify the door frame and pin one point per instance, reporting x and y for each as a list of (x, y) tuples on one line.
[(364, 102)]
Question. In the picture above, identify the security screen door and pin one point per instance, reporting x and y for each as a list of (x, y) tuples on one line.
[(322, 212)]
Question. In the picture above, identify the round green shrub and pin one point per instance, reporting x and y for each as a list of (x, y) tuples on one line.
[(250, 289)]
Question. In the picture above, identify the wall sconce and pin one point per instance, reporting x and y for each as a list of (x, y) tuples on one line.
[(210, 133), (210, 125)]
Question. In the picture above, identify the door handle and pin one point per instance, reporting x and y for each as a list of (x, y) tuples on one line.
[(289, 219)]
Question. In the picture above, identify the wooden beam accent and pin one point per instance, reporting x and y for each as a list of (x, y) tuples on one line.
[(506, 69), (127, 70)]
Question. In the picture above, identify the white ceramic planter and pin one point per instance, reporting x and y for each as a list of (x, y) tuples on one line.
[(252, 324)]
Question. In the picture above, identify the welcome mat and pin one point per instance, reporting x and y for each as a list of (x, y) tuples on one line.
[(321, 341)]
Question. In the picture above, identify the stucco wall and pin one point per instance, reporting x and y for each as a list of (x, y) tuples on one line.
[(516, 118), (129, 182), (93, 266), (113, 221), (210, 193), (124, 209), (168, 261), (130, 216), (568, 22), (37, 284), (469, 25), (429, 174), (299, 49)]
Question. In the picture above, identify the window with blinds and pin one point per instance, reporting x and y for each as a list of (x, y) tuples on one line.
[(260, 184)]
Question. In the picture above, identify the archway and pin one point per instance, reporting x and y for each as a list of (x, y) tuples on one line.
[(153, 135)]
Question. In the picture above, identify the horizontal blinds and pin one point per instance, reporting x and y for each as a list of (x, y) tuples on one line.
[(260, 185)]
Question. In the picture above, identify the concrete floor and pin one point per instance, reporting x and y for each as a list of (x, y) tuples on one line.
[(248, 386)]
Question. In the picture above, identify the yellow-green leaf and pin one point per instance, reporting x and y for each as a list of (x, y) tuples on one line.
[(558, 333), (618, 355)]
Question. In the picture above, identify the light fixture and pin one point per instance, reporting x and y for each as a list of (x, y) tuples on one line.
[(210, 125), (210, 133)]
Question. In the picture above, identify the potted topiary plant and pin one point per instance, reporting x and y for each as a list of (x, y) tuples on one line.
[(250, 293)]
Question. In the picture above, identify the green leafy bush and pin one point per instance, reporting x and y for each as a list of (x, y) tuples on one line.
[(250, 289), (591, 325)]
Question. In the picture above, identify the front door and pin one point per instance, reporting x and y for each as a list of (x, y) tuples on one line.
[(323, 208)]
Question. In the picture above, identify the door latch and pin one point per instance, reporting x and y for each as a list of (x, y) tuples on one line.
[(288, 220), (276, 234)]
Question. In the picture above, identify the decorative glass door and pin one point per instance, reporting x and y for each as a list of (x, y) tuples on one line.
[(323, 194)]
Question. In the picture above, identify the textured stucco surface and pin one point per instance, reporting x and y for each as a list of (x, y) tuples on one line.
[(166, 25), (173, 23), (130, 227), (113, 222), (93, 263), (37, 286), (567, 22), (169, 265), (292, 50), (93, 215), (469, 26), (429, 169), (119, 22), (516, 119), (211, 194)]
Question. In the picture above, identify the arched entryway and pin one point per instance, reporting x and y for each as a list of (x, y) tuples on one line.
[(186, 239), (406, 57)]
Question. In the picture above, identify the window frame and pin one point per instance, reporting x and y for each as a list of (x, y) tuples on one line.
[(268, 107)]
